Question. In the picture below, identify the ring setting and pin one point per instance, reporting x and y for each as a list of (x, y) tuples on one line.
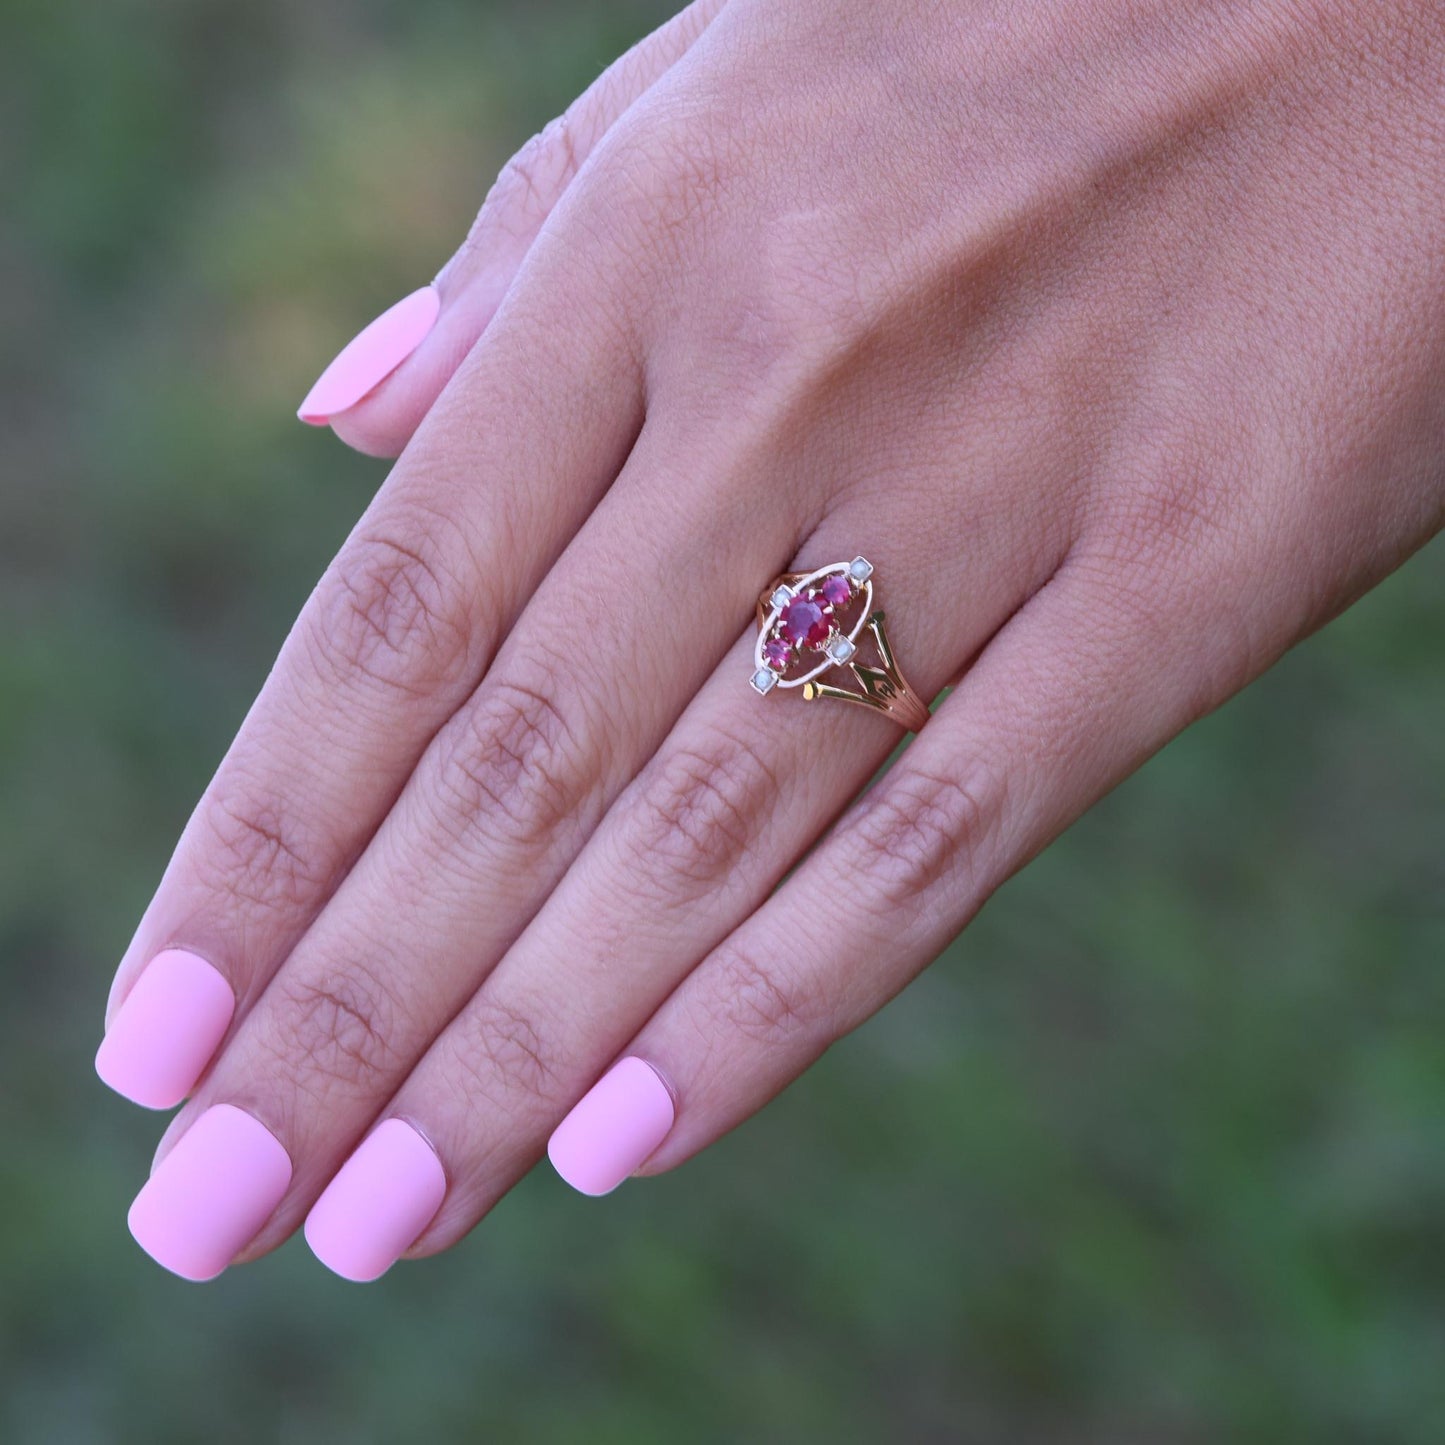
[(811, 624)]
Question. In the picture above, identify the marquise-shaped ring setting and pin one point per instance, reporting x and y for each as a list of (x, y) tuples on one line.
[(813, 623)]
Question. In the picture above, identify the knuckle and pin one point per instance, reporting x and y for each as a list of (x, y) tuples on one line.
[(814, 301), (534, 176), (504, 1054), (513, 767), (680, 164), (340, 1027), (254, 851), (914, 827), (699, 809), (761, 1002), (1176, 538), (392, 612), (809, 306), (1172, 493)]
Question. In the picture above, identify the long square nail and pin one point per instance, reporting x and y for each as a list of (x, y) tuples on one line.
[(165, 1032), (209, 1197)]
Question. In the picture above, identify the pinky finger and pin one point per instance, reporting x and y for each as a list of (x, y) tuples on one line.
[(1056, 710)]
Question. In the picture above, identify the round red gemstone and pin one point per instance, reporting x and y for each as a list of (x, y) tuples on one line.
[(806, 621), (775, 652), (835, 589)]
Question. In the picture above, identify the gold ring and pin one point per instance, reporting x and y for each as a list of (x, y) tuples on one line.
[(812, 623)]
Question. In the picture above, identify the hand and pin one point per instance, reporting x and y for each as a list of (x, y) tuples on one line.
[(1110, 332)]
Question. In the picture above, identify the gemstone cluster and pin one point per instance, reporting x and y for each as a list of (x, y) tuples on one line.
[(807, 621)]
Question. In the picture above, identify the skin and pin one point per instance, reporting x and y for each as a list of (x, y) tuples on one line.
[(1112, 333)]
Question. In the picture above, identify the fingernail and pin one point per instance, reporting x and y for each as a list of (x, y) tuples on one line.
[(370, 357), (211, 1194), (380, 1201), (612, 1129), (166, 1030)]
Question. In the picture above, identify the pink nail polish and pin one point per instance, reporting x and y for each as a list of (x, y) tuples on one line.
[(612, 1129), (371, 356), (166, 1030), (380, 1201), (209, 1197)]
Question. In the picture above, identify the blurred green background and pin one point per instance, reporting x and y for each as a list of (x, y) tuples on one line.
[(1154, 1155)]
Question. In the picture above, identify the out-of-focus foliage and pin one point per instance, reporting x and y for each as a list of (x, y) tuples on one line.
[(1154, 1155)]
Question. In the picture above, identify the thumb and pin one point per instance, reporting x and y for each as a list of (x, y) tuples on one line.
[(376, 391)]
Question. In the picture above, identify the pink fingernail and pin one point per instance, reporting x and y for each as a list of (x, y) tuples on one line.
[(379, 1202), (166, 1030), (211, 1194), (370, 357), (612, 1129)]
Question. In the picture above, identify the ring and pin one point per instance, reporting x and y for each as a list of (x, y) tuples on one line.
[(810, 623)]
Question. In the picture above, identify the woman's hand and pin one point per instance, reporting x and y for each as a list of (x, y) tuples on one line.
[(1110, 332)]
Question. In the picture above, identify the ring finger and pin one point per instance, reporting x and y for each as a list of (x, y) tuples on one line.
[(736, 792)]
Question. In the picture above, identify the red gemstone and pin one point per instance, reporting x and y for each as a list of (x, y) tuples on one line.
[(806, 622), (775, 653), (835, 589)]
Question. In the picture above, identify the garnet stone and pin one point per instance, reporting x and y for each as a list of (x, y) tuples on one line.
[(806, 621), (775, 652), (835, 589)]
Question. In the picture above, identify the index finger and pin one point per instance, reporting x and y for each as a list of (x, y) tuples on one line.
[(397, 633)]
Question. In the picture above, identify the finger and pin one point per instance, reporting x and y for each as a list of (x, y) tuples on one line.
[(1067, 700), (730, 799), (377, 390), (394, 638), (606, 654)]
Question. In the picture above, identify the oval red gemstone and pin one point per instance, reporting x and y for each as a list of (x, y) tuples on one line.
[(835, 589), (806, 622), (775, 652)]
